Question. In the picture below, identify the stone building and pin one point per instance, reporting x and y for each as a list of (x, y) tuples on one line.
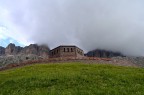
[(66, 51)]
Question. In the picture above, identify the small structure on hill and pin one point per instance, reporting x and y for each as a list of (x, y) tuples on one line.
[(66, 51)]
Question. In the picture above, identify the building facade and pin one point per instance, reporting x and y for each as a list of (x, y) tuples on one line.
[(66, 51)]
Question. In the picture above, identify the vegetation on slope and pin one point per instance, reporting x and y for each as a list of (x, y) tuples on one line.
[(72, 79)]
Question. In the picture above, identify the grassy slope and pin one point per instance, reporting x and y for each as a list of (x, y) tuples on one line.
[(72, 79)]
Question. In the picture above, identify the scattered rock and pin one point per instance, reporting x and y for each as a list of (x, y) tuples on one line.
[(10, 59), (135, 61), (16, 54)]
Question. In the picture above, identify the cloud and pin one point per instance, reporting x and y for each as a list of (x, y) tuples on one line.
[(106, 24), (10, 24)]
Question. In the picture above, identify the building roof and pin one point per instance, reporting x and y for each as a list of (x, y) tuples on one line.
[(65, 46)]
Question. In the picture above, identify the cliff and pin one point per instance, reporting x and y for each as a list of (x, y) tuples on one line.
[(34, 49), (103, 53)]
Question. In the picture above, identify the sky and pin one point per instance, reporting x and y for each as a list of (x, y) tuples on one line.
[(116, 25)]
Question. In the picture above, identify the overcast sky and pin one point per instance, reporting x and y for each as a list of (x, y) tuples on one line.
[(116, 25)]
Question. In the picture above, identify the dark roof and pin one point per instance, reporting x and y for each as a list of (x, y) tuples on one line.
[(65, 46)]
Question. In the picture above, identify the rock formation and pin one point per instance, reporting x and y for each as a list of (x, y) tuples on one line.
[(103, 53), (2, 51), (16, 54), (34, 49), (11, 49), (43, 51), (10, 59)]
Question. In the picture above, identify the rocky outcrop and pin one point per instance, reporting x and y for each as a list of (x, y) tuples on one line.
[(136, 61), (34, 49), (2, 51), (31, 49), (11, 49), (11, 59), (18, 49), (43, 51), (103, 53), (16, 54)]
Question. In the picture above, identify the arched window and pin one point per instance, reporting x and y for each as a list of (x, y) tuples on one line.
[(67, 49), (71, 49)]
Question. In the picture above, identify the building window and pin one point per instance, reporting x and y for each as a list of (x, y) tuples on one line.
[(81, 53), (77, 50), (67, 49), (71, 49), (64, 49), (57, 51)]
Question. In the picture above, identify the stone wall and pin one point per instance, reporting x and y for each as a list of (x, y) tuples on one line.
[(79, 53), (66, 51)]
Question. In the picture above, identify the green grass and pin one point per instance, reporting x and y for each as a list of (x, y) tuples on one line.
[(72, 79)]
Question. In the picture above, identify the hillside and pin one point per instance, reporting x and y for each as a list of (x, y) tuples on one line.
[(72, 79)]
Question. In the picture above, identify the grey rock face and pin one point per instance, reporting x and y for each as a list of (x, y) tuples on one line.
[(11, 49), (137, 61), (31, 49), (17, 49), (10, 59), (42, 50), (16, 54), (103, 53), (2, 51), (35, 49)]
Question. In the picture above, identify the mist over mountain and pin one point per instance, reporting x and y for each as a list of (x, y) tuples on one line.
[(113, 25)]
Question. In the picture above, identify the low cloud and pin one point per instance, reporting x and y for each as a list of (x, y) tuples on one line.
[(116, 25)]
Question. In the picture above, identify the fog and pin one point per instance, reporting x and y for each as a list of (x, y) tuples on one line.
[(116, 25)]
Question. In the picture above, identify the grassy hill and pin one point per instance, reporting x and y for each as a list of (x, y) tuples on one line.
[(72, 79)]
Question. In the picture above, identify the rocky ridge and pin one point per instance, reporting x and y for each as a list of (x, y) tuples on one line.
[(16, 54), (34, 49), (2, 51), (103, 53), (11, 49), (137, 61)]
